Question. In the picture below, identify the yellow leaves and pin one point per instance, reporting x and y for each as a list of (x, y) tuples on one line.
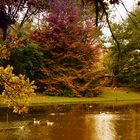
[(22, 108), (17, 89), (4, 52)]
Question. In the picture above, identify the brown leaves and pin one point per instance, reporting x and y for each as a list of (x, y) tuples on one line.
[(70, 48), (4, 52)]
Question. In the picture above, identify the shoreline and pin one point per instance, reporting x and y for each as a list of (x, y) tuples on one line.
[(47, 103), (109, 95)]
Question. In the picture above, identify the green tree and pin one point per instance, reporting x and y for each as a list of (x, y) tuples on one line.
[(133, 49), (30, 61), (124, 63)]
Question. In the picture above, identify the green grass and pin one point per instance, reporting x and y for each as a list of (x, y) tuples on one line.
[(108, 95), (120, 94)]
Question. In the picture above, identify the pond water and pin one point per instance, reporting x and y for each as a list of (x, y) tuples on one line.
[(72, 122)]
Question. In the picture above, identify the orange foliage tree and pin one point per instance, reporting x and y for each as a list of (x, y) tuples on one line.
[(71, 46), (16, 90)]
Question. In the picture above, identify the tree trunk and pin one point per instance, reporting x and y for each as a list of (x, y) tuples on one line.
[(115, 81)]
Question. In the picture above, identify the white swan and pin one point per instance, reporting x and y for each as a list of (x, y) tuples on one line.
[(36, 121), (21, 127), (49, 123)]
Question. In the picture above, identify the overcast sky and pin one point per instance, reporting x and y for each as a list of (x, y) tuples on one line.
[(120, 10)]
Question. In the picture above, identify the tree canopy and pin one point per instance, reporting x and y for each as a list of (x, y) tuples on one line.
[(61, 44), (71, 50), (124, 63)]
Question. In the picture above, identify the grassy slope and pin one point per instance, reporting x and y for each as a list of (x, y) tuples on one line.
[(108, 95)]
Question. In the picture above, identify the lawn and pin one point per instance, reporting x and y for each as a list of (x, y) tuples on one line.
[(108, 95)]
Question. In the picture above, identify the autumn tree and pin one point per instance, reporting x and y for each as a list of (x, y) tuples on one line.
[(69, 43), (71, 48), (16, 88)]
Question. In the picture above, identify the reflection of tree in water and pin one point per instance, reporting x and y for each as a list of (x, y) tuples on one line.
[(75, 122)]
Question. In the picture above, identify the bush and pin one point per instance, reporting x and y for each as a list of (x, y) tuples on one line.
[(27, 61)]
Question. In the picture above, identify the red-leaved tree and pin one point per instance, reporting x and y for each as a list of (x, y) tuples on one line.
[(71, 48)]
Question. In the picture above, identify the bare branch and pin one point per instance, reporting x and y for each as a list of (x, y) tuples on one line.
[(97, 12), (129, 15), (24, 18), (108, 22)]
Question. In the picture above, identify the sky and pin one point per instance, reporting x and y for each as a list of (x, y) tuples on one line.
[(129, 4), (120, 10)]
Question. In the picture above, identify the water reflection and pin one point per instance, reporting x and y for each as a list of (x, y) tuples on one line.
[(73, 122), (102, 126)]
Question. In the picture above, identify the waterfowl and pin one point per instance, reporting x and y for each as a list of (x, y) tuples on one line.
[(50, 123), (36, 121), (21, 127), (52, 114)]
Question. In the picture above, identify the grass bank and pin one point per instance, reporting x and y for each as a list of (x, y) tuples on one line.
[(108, 95), (119, 95)]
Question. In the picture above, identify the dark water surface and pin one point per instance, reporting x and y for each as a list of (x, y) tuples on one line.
[(72, 122)]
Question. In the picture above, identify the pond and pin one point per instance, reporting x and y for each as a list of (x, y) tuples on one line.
[(72, 122)]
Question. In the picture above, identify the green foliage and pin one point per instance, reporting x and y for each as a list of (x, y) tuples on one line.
[(27, 61), (128, 60)]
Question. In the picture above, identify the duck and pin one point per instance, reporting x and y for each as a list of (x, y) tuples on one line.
[(90, 106), (52, 114), (21, 127), (36, 121), (49, 123)]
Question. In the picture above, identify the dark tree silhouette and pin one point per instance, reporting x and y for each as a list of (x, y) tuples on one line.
[(5, 22)]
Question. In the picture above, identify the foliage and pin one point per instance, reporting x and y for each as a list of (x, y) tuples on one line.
[(13, 41), (28, 8), (24, 10), (132, 69), (109, 95), (29, 63), (127, 62), (71, 48), (17, 89)]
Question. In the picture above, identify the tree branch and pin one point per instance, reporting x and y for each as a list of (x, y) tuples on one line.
[(129, 15), (97, 12), (108, 22)]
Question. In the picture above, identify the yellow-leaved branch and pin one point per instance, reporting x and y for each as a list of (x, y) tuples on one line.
[(17, 90)]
